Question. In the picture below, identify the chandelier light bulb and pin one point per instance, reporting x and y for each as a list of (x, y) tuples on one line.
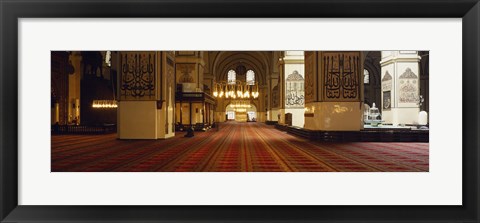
[(104, 104), (235, 89)]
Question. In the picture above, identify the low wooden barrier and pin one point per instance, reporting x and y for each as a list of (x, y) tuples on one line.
[(83, 129)]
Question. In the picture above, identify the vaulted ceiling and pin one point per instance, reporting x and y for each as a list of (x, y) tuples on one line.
[(241, 61)]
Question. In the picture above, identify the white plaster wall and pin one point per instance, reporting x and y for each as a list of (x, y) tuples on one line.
[(387, 54), (297, 116), (396, 62), (387, 117), (404, 116)]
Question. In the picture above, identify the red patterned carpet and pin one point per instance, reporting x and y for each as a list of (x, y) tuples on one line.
[(236, 147)]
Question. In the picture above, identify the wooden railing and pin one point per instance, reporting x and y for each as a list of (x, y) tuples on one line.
[(271, 122), (84, 129), (196, 127)]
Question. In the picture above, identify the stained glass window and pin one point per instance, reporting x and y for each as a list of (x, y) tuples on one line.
[(250, 77), (232, 76), (366, 76)]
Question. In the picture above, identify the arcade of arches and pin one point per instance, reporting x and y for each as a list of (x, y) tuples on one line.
[(239, 111)]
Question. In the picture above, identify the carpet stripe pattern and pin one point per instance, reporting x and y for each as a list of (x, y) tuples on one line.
[(234, 147)]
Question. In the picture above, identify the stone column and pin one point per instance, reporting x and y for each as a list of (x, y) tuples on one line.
[(333, 90), (74, 88), (293, 93), (274, 88), (146, 95), (281, 91), (262, 104), (166, 111), (400, 87)]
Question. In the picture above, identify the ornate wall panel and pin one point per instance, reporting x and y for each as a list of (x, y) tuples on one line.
[(186, 72), (295, 93), (342, 72), (408, 87), (137, 76), (387, 82), (387, 100), (386, 91), (310, 74)]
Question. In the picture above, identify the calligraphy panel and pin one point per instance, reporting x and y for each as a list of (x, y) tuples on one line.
[(310, 74), (295, 93), (408, 87), (341, 76), (137, 76)]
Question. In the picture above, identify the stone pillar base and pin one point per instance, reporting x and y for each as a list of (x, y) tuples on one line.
[(401, 116), (334, 116), (162, 125), (142, 120), (137, 120)]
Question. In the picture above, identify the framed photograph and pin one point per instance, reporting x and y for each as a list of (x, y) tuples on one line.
[(227, 111)]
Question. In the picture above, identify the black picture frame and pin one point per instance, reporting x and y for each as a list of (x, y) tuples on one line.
[(11, 11)]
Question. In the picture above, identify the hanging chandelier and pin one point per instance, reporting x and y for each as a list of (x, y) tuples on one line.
[(240, 105), (104, 104), (235, 89)]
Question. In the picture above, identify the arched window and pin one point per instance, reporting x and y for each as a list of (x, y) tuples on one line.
[(250, 77), (232, 77), (366, 76)]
